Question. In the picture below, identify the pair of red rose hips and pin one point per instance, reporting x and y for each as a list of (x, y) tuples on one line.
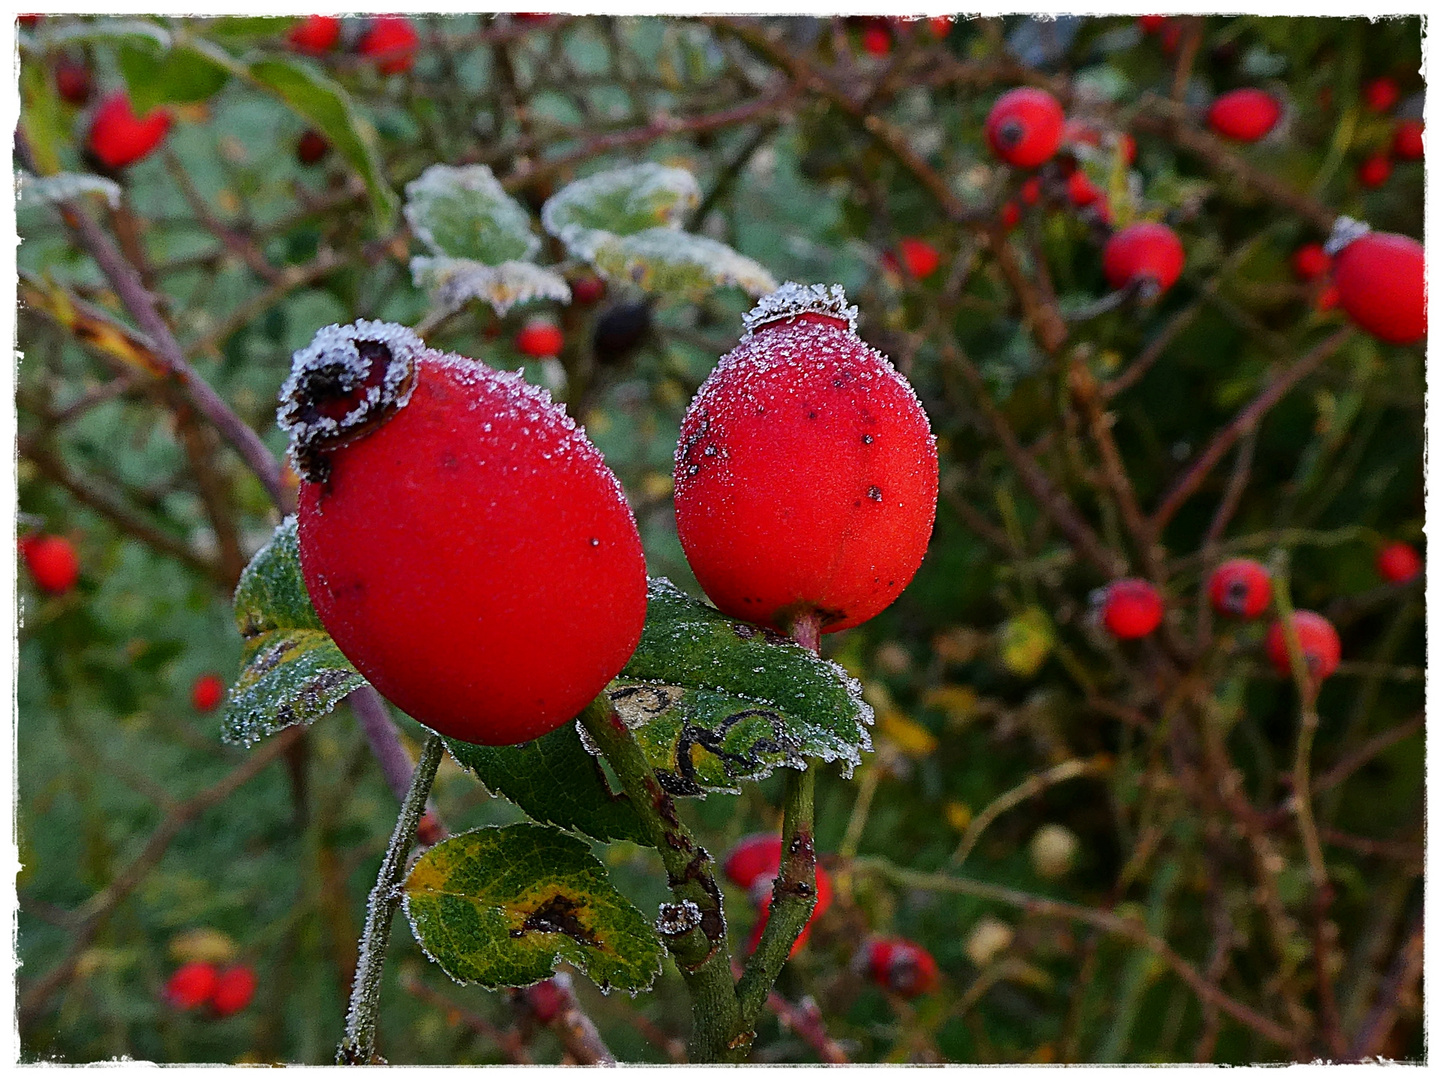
[(442, 501), (753, 864), (391, 41), (200, 983)]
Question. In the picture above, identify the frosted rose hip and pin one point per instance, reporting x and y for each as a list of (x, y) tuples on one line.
[(806, 474), (1380, 282), (462, 541)]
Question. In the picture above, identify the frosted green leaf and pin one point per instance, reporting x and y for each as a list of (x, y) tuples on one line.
[(668, 261), (464, 213), (293, 672), (503, 906), (554, 781), (620, 202), (713, 701), (61, 187), (453, 283), (50, 35)]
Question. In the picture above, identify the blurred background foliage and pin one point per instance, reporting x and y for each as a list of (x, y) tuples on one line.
[(986, 674)]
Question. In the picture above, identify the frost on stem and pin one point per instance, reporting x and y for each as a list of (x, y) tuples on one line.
[(678, 919), (793, 299), (1345, 232), (347, 381)]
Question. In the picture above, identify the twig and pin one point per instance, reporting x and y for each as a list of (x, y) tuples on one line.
[(509, 1042), (576, 1030), (1031, 785), (1399, 984)]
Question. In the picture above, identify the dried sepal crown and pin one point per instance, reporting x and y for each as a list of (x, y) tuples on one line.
[(1343, 233), (345, 382), (793, 299)]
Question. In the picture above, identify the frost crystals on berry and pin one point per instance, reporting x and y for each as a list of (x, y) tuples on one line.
[(348, 380), (793, 299)]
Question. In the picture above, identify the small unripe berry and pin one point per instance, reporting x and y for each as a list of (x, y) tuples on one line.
[(52, 562), (462, 541), (918, 257), (1381, 94), (806, 475), (1131, 608), (1380, 278), (72, 80), (587, 289), (1145, 250), (1374, 170), (1025, 127), (1397, 561), (900, 966), (540, 338), (192, 985), (1052, 851), (391, 42), (312, 147), (1240, 588), (1319, 645), (1409, 142), (315, 34), (234, 989), (207, 692), (118, 137), (1244, 115), (1310, 262)]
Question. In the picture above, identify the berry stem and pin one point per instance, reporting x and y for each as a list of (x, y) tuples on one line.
[(358, 1045), (701, 951)]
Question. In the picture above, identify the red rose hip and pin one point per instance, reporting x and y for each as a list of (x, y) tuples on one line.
[(462, 541), (753, 857), (1409, 141), (234, 989), (312, 147), (1240, 588), (72, 80), (1131, 608), (1319, 645), (539, 338), (1310, 262), (118, 137), (806, 474), (1380, 280), (1374, 170), (918, 257), (192, 985), (315, 34), (1381, 94), (52, 563), (900, 966), (391, 42), (1398, 561), (1244, 115), (1025, 127), (1145, 251), (761, 891), (207, 692)]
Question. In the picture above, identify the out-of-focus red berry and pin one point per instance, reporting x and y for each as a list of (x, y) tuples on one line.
[(1409, 141), (1329, 297), (1131, 608), (1398, 561), (752, 857), (207, 693), (1381, 282), (1146, 249), (901, 966), (1240, 588), (540, 337), (1244, 115), (1030, 191), (1151, 24), (940, 25), (192, 985), (72, 80), (1381, 94), (1025, 127), (234, 989), (546, 1000), (392, 42), (311, 148), (875, 39), (587, 289), (314, 34), (118, 137), (1319, 645), (918, 257), (1080, 189), (1310, 262), (761, 892), (1010, 215), (1374, 170), (52, 562)]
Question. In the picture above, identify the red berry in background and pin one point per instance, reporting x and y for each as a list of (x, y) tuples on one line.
[(312, 147), (900, 966), (1151, 24), (1010, 215), (1328, 299), (234, 989), (1030, 191), (918, 257), (940, 25), (1025, 127), (315, 34), (539, 337), (753, 857), (1380, 278), (52, 562), (1374, 170), (1409, 141), (1381, 94), (762, 893), (806, 475), (391, 42), (192, 985), (1398, 561), (118, 137), (207, 692), (1080, 189), (545, 999), (1128, 150), (875, 39), (1244, 115), (587, 289), (1145, 250), (1310, 262), (1131, 608), (72, 80), (1319, 645), (461, 539), (1240, 588)]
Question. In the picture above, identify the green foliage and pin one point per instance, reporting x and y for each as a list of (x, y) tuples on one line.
[(500, 907), (465, 213)]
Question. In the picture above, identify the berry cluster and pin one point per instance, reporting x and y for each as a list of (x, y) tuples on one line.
[(220, 991)]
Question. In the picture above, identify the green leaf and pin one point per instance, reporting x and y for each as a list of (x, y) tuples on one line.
[(679, 263), (51, 36), (293, 672), (619, 202), (713, 701), (453, 283), (181, 74), (555, 781), (464, 213), (502, 906), (325, 104)]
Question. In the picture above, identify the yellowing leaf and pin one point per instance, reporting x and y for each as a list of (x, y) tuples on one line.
[(203, 943), (1025, 642), (956, 702), (958, 815), (906, 734)]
